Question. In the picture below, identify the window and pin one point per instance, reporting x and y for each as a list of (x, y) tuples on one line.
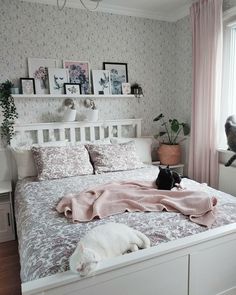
[(228, 98)]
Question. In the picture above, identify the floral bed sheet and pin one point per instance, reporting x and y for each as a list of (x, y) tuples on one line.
[(47, 239)]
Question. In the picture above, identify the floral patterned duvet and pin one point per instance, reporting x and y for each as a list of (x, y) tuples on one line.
[(47, 239)]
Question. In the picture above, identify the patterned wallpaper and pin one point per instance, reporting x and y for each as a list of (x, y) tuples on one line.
[(158, 56)]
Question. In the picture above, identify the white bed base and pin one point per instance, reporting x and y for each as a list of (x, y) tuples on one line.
[(202, 264)]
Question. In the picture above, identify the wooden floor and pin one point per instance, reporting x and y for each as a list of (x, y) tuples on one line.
[(9, 269)]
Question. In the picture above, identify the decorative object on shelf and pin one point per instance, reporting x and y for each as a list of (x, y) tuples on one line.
[(79, 74), (101, 82), (9, 111), (72, 88), (38, 69), (61, 6), (70, 113), (15, 90), (126, 89), (57, 79), (137, 90), (169, 151), (27, 86), (119, 75), (91, 114)]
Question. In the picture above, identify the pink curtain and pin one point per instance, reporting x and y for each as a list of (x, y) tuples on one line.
[(206, 17)]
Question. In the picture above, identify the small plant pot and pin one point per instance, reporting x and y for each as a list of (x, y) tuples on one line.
[(169, 154), (91, 115), (69, 115)]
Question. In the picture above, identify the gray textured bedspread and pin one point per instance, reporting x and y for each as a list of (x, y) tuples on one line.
[(47, 239)]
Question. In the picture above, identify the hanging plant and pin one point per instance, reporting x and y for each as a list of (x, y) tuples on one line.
[(8, 110)]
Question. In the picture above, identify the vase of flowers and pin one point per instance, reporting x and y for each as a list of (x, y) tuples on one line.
[(91, 114), (41, 74), (169, 151), (70, 113)]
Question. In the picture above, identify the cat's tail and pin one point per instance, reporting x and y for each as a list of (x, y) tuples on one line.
[(145, 240), (231, 160)]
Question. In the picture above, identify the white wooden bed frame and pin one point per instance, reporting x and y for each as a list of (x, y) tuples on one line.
[(202, 264)]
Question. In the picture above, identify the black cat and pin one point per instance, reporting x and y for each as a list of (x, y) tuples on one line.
[(230, 130), (167, 179)]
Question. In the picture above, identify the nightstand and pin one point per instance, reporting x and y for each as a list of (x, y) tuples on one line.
[(178, 168), (7, 228)]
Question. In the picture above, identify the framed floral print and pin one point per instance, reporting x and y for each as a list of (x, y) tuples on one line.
[(119, 75), (101, 82), (79, 73), (38, 69)]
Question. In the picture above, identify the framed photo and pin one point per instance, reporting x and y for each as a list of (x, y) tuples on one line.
[(57, 79), (27, 85), (119, 75), (72, 88), (38, 69), (126, 88), (101, 82), (79, 74)]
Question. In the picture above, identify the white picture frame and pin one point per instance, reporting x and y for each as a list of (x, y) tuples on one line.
[(101, 82), (38, 69), (57, 79), (79, 73)]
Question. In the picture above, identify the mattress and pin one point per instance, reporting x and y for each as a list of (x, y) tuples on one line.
[(47, 239)]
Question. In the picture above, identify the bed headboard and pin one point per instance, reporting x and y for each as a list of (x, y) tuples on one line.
[(77, 131), (71, 131)]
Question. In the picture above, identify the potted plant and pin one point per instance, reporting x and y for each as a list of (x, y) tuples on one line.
[(70, 113), (91, 113), (169, 151), (8, 110)]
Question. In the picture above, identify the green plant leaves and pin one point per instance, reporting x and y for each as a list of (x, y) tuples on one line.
[(9, 111), (175, 125)]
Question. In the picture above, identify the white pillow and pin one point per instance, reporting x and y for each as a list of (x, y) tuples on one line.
[(143, 147), (25, 161)]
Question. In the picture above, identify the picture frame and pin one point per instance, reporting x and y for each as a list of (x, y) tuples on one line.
[(38, 69), (126, 88), (118, 75), (27, 86), (72, 88), (79, 73), (57, 79), (101, 82)]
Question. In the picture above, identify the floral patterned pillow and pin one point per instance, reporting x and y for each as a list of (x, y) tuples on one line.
[(59, 162), (114, 157)]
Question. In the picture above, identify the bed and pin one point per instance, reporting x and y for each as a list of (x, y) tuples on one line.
[(185, 258)]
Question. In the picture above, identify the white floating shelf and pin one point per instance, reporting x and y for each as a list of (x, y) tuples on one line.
[(72, 95)]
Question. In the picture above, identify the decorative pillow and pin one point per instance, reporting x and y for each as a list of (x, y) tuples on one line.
[(143, 146), (59, 162), (114, 157), (25, 160)]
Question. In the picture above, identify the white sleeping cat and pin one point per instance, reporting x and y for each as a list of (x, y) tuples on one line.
[(105, 241)]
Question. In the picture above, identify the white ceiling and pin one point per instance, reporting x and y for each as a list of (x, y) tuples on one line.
[(168, 10)]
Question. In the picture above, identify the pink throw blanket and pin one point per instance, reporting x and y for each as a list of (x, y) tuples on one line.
[(118, 197)]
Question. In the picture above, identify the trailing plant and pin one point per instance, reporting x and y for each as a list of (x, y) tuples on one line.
[(8, 110), (172, 129)]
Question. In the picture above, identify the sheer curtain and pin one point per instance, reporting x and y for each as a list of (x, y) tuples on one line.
[(206, 17), (228, 97)]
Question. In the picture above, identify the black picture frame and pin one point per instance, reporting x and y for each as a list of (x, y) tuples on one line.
[(28, 89), (72, 84), (119, 75)]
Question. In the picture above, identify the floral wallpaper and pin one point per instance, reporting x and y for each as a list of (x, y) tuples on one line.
[(158, 55)]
